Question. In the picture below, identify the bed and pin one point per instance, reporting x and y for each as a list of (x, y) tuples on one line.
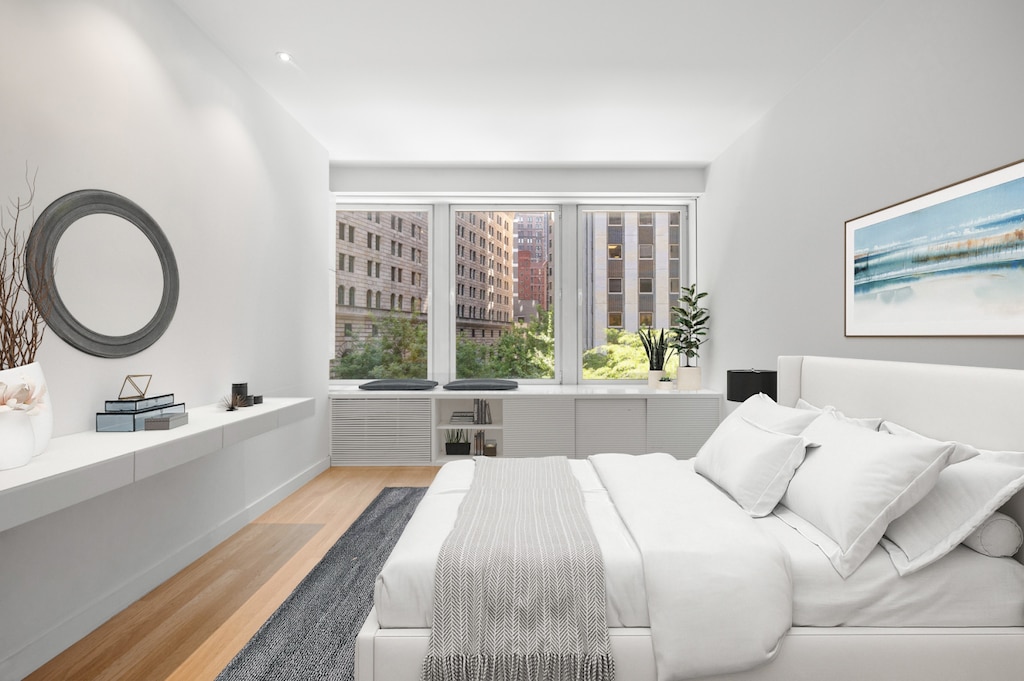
[(933, 623)]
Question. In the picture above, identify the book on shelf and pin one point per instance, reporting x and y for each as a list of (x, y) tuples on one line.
[(138, 404), (130, 421)]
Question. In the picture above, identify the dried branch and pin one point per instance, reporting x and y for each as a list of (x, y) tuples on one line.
[(22, 323)]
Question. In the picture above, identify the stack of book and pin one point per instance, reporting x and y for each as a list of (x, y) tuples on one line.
[(145, 413), (482, 411), (462, 417)]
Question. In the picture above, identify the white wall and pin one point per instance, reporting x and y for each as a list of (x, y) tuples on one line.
[(924, 94), (130, 97)]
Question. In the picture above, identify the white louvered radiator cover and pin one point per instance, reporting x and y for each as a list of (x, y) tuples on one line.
[(380, 431)]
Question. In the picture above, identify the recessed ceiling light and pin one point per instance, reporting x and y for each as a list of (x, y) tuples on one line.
[(284, 56)]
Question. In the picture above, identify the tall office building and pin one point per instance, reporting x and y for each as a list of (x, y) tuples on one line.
[(635, 270), (483, 274), (381, 268)]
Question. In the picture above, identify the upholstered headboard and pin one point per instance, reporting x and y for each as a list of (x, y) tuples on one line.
[(979, 406)]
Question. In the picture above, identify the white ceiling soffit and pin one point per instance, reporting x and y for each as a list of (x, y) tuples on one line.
[(635, 82)]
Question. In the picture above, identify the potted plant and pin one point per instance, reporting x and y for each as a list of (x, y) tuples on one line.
[(689, 331), (22, 385), (659, 350), (456, 442)]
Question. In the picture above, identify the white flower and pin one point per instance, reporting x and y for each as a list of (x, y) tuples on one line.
[(23, 396)]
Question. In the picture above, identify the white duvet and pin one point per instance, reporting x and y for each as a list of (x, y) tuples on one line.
[(719, 592), (964, 589)]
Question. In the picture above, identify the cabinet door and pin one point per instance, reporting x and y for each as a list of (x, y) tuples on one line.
[(380, 431), (611, 425), (680, 425), (545, 426)]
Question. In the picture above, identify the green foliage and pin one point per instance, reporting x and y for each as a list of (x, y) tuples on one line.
[(690, 323), (456, 436), (621, 357), (523, 351), (658, 348), (398, 351)]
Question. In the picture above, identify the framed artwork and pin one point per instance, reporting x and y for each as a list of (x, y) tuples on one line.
[(948, 263)]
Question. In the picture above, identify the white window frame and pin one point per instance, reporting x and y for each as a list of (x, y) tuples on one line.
[(569, 244)]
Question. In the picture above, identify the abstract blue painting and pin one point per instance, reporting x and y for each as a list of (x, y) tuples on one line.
[(949, 263)]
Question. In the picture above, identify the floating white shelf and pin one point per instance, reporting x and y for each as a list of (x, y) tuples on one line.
[(85, 465)]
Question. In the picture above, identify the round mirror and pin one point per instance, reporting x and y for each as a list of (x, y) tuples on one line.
[(102, 272)]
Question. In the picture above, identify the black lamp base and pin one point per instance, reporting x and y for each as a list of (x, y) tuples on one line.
[(743, 383)]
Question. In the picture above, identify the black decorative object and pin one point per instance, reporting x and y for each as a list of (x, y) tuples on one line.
[(398, 384), (481, 384), (743, 383), (40, 254)]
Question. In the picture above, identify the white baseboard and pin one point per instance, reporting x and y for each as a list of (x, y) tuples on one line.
[(79, 624)]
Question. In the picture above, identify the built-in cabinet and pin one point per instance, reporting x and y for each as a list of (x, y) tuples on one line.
[(388, 428)]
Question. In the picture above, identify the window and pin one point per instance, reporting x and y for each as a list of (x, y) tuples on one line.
[(501, 315), (639, 253), (488, 343), (382, 338)]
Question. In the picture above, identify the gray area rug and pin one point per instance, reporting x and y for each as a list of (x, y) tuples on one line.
[(312, 636)]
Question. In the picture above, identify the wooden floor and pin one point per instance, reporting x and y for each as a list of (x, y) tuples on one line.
[(191, 626)]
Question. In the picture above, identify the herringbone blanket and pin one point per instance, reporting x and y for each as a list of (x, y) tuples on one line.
[(519, 589)]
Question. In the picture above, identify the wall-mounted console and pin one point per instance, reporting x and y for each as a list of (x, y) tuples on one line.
[(85, 465)]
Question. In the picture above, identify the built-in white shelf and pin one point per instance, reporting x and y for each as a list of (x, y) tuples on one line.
[(408, 427), (85, 465)]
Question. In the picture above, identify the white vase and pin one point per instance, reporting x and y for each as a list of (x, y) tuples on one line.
[(41, 418), (688, 378), (17, 441), (653, 377)]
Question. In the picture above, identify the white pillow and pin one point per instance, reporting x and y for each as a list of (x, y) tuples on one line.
[(964, 496), (857, 482), (869, 423), (765, 412), (961, 453), (753, 464), (999, 536)]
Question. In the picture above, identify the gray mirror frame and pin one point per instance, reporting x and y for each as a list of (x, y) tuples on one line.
[(39, 255)]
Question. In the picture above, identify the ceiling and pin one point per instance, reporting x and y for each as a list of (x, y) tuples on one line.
[(530, 82)]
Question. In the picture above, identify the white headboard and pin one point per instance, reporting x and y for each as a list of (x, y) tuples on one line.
[(980, 406)]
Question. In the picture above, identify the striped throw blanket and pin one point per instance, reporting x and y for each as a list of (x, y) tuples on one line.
[(519, 589)]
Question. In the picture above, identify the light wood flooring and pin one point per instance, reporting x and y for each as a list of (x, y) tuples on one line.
[(191, 626)]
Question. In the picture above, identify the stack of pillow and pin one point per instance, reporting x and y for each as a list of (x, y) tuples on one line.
[(849, 484)]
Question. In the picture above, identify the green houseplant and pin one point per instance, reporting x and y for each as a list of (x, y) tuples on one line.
[(689, 331), (456, 442), (659, 350)]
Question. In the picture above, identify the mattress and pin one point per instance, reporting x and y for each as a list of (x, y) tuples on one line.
[(964, 589)]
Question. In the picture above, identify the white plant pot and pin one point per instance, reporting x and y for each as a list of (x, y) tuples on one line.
[(17, 441), (41, 419), (653, 378), (688, 378)]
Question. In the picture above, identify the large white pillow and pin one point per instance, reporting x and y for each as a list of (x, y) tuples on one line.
[(963, 497), (765, 412), (870, 423), (962, 451), (857, 482), (753, 464)]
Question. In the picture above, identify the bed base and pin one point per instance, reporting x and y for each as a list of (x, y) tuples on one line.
[(807, 654)]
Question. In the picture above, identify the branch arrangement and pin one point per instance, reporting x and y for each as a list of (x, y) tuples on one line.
[(21, 320)]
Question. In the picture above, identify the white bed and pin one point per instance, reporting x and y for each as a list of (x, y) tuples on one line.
[(948, 403)]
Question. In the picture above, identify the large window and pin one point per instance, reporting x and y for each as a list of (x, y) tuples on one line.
[(633, 267), (504, 283), (488, 278), (387, 336)]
